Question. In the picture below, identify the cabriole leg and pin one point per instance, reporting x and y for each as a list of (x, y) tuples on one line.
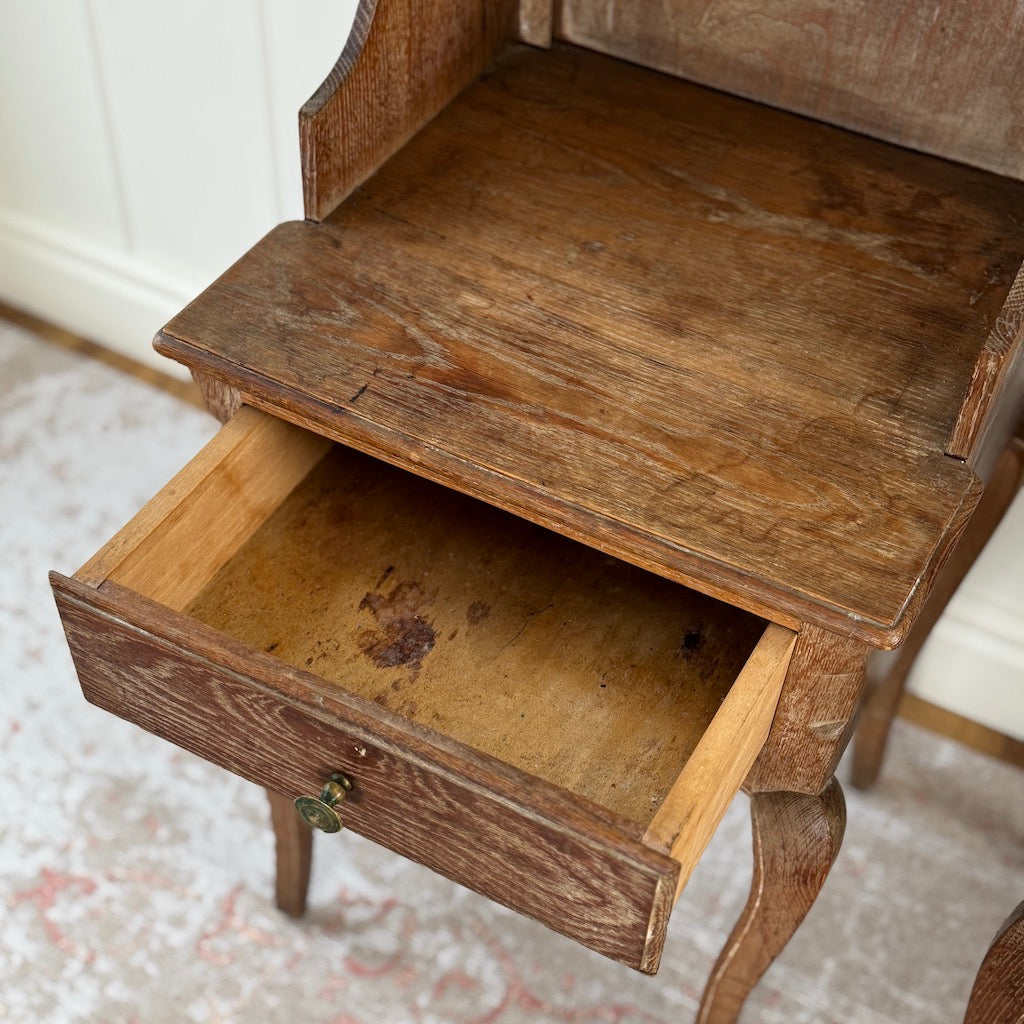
[(796, 840), (998, 995)]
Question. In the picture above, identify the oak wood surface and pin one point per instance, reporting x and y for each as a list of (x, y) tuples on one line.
[(720, 341), (941, 76), (513, 838), (697, 802), (293, 855), (403, 61), (796, 841), (816, 715), (994, 403), (221, 399), (998, 993), (574, 667), (183, 535)]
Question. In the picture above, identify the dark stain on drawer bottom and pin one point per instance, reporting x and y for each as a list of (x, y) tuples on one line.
[(403, 635)]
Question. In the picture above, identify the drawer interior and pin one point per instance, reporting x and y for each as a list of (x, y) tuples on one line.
[(598, 686), (566, 663), (569, 664)]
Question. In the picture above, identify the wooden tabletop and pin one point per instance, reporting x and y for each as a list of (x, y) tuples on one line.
[(723, 342)]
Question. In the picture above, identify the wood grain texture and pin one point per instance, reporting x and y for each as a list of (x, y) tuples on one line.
[(998, 993), (714, 339), (815, 717), (796, 840), (940, 76), (293, 855), (173, 494), (698, 800), (220, 399), (569, 665), (177, 542), (536, 22), (998, 373), (403, 61), (886, 689), (483, 824)]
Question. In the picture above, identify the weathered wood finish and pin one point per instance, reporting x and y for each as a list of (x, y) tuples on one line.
[(998, 993), (222, 400), (943, 77), (536, 22), (720, 341), (796, 841), (293, 855), (404, 60), (815, 717), (886, 689), (995, 395), (515, 839)]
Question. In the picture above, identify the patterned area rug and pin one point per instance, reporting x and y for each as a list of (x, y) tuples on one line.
[(135, 880)]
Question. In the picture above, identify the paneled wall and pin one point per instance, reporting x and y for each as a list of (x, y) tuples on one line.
[(144, 146), (973, 663)]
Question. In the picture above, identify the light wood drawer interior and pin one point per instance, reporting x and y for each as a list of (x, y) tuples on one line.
[(576, 680)]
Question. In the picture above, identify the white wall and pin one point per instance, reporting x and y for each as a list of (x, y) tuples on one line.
[(973, 663), (144, 146)]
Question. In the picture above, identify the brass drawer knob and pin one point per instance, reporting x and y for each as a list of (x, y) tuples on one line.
[(320, 811)]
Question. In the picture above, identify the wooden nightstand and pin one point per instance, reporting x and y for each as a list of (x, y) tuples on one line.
[(580, 448)]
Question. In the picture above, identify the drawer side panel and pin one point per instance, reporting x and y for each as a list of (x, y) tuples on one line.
[(579, 877)]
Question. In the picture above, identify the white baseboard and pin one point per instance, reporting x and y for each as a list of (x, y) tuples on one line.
[(977, 675), (101, 294)]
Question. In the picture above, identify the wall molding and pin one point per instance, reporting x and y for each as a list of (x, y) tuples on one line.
[(100, 293)]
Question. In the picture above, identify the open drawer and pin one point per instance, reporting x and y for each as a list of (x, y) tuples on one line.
[(534, 719)]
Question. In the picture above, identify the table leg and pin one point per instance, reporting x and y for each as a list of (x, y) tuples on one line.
[(293, 851), (796, 840), (219, 398), (815, 717), (998, 994)]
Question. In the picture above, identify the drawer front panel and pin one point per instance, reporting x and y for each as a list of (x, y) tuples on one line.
[(523, 844)]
